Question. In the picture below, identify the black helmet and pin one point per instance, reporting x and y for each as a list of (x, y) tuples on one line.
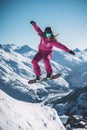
[(48, 30)]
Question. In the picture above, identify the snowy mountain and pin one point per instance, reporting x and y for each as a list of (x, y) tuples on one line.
[(65, 94), (75, 67), (85, 50), (23, 49), (17, 115), (10, 46), (73, 103)]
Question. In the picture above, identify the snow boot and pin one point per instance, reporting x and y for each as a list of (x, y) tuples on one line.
[(49, 76), (37, 78)]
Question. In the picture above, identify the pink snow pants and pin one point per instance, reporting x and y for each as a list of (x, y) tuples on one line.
[(41, 56)]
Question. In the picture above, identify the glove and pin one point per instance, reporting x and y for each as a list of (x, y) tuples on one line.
[(32, 22), (71, 52)]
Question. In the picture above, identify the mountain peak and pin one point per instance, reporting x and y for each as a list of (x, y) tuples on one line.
[(1, 46), (77, 50), (85, 50), (23, 49)]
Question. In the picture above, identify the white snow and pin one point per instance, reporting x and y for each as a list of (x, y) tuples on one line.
[(16, 69), (18, 115)]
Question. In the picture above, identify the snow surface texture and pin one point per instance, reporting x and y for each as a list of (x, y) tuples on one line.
[(17, 115)]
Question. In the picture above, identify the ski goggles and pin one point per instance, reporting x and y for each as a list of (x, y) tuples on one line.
[(48, 34)]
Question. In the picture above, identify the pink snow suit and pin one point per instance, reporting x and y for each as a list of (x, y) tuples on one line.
[(45, 51)]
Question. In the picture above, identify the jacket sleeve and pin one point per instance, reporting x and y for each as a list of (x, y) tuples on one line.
[(61, 46), (38, 30)]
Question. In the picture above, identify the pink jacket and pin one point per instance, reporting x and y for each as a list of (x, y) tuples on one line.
[(46, 45)]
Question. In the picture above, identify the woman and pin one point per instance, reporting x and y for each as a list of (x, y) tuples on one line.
[(45, 47)]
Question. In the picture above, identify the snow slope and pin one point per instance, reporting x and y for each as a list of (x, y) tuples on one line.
[(17, 115), (16, 70)]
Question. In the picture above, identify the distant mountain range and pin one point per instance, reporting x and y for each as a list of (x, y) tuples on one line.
[(68, 94)]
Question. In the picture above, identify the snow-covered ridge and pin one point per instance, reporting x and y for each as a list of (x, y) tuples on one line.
[(17, 115)]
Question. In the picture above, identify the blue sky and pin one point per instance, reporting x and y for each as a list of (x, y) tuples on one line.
[(66, 17)]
